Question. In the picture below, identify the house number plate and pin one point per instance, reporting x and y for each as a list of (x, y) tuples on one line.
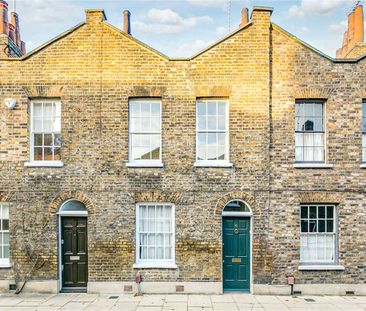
[(236, 260), (74, 257)]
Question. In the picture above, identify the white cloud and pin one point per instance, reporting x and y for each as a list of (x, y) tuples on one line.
[(304, 29), (189, 49), (221, 30), (168, 22), (209, 3), (317, 7), (340, 27), (46, 11)]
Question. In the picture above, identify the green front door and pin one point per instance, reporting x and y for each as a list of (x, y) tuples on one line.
[(236, 254)]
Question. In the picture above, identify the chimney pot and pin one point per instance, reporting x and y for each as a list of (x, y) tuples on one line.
[(244, 17), (4, 17), (127, 22), (15, 22), (359, 28)]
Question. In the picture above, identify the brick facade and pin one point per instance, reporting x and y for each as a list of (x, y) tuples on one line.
[(95, 68)]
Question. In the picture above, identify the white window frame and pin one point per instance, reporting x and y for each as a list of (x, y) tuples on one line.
[(154, 263), (42, 163), (4, 262), (144, 163), (320, 263), (215, 163), (315, 164)]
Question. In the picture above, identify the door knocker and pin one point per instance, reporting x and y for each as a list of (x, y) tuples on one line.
[(236, 231)]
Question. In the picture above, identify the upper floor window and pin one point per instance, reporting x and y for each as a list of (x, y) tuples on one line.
[(155, 235), (4, 235), (318, 234), (212, 142), (309, 131), (145, 132), (364, 130), (45, 130)]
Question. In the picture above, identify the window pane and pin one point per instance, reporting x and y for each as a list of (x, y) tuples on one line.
[(202, 123), (330, 213), (201, 109), (145, 110), (299, 139), (221, 126), (212, 153), (299, 155), (304, 212), (299, 110), (155, 124), (38, 139), (56, 124), (319, 154), (221, 152), (6, 251), (308, 153), (57, 140), (5, 212), (321, 211), (212, 123), (309, 110), (48, 110), (312, 226), (309, 124), (57, 154), (37, 124), (155, 109), (37, 154), (330, 226), (318, 110), (304, 226), (299, 124), (6, 237), (211, 139), (309, 140), (48, 139), (312, 214), (47, 124), (37, 110), (221, 108), (318, 124), (211, 108), (48, 154), (321, 225), (134, 110)]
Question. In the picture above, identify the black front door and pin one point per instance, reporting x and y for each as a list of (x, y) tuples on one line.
[(74, 252)]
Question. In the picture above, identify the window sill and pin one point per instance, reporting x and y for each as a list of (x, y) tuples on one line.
[(5, 264), (155, 265), (144, 164), (44, 164), (363, 165), (212, 164), (321, 267), (313, 165)]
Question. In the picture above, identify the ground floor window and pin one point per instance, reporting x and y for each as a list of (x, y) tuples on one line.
[(155, 233), (318, 238), (4, 235)]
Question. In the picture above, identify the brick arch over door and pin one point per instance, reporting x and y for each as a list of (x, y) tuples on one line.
[(64, 196), (234, 195)]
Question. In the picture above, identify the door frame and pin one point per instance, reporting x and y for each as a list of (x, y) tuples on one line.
[(239, 215), (61, 214)]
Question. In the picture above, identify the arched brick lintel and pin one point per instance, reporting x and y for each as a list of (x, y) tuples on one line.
[(64, 196), (234, 195)]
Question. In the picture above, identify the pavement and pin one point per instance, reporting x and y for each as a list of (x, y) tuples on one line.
[(226, 302)]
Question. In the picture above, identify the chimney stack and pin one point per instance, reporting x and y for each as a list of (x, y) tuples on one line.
[(354, 36), (14, 19), (244, 17), (127, 22), (4, 17)]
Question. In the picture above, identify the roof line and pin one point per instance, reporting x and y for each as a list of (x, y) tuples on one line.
[(303, 43), (46, 44), (216, 43), (137, 41)]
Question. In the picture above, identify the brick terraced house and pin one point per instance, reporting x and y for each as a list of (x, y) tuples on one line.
[(236, 169)]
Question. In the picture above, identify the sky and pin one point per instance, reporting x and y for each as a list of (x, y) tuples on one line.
[(181, 28)]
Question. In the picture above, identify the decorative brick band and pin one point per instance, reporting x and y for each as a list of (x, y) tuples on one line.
[(5, 196), (319, 197), (212, 91), (146, 91), (235, 195), (64, 196), (313, 93), (43, 91), (160, 196)]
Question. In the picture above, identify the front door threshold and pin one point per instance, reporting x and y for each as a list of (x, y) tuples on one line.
[(73, 290)]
